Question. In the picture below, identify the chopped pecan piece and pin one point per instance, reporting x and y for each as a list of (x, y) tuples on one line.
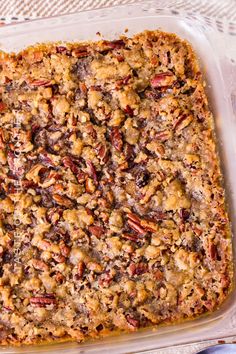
[(92, 171), (68, 162), (182, 122), (162, 79), (2, 139), (89, 186), (163, 135), (81, 51), (42, 82), (137, 268), (116, 139), (141, 226), (59, 258), (43, 301), (184, 214), (3, 106), (102, 152), (129, 152), (65, 250), (132, 321), (158, 274), (81, 177), (120, 58), (105, 279), (14, 164), (39, 265), (62, 49), (122, 82), (133, 217), (96, 230), (197, 230), (131, 237), (129, 111), (81, 268), (46, 159), (116, 44), (136, 227), (212, 251), (63, 201), (134, 224)]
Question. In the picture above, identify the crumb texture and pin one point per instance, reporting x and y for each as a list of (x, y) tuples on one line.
[(112, 213)]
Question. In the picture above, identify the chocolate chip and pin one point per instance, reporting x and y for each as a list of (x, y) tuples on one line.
[(142, 178)]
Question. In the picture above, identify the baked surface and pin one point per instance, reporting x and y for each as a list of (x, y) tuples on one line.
[(111, 205)]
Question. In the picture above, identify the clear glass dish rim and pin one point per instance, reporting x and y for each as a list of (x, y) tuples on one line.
[(56, 22)]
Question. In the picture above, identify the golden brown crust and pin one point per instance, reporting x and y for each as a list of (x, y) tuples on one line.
[(112, 214)]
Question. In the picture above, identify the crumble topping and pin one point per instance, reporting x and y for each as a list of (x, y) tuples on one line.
[(112, 212)]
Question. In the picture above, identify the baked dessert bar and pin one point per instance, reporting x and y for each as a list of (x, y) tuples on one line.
[(112, 210)]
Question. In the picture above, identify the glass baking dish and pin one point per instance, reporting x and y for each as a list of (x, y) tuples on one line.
[(220, 73)]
